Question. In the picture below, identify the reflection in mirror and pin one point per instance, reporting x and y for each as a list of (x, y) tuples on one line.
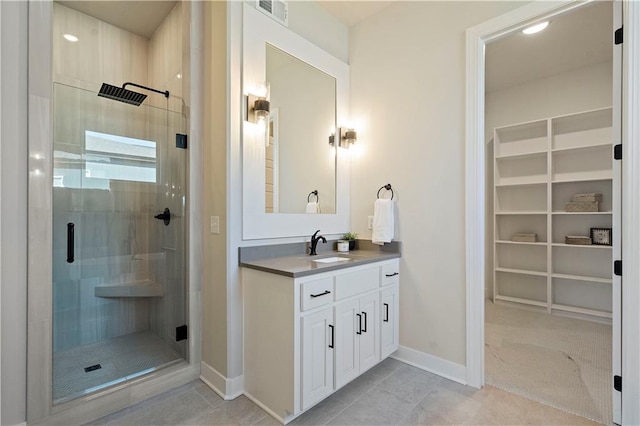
[(298, 158)]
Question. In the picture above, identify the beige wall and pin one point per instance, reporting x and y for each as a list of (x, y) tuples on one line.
[(214, 286), (408, 91), (222, 196), (578, 90)]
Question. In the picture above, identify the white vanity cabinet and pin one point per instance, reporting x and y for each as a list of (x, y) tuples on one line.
[(306, 337), (389, 279)]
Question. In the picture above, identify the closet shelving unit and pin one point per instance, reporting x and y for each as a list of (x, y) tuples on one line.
[(538, 166)]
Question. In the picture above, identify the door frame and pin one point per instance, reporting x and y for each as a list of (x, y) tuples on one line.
[(476, 39)]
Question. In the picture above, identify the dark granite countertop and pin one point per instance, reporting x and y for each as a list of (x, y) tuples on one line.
[(300, 264)]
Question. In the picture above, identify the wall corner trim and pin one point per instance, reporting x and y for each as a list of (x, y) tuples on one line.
[(228, 389), (433, 364)]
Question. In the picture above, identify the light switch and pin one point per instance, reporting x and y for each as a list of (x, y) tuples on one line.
[(215, 224)]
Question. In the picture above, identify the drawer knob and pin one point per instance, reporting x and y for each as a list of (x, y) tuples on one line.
[(313, 296), (391, 275)]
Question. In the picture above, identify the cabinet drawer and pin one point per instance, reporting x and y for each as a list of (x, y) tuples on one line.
[(390, 273), (316, 293), (357, 282)]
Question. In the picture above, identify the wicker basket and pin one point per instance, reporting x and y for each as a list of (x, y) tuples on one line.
[(588, 196), (582, 206)]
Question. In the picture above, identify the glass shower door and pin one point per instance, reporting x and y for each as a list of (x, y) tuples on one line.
[(119, 263)]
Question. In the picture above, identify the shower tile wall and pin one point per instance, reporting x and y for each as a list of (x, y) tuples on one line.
[(117, 239)]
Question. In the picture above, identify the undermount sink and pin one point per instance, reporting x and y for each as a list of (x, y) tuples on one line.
[(331, 259)]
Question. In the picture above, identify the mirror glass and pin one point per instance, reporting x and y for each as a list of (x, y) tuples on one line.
[(299, 160)]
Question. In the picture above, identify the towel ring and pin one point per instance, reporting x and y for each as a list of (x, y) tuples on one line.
[(387, 187), (314, 192)]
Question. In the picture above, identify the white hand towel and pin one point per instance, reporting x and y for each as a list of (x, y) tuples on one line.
[(313, 207), (382, 221)]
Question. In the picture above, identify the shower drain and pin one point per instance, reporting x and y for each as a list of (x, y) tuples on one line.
[(92, 368)]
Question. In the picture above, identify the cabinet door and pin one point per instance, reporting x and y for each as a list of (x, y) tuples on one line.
[(317, 357), (370, 337), (389, 321), (348, 322)]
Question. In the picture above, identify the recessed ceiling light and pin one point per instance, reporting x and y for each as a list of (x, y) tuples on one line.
[(70, 37), (536, 28)]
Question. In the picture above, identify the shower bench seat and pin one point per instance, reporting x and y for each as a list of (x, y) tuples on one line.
[(142, 288)]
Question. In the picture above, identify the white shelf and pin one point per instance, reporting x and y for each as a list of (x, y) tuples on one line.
[(538, 167), (584, 147), (582, 213), (583, 311), (519, 300), (503, 185), (520, 213), (537, 243), (589, 246), (522, 156), (586, 179), (521, 272), (582, 278)]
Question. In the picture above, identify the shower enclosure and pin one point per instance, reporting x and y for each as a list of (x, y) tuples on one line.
[(119, 246)]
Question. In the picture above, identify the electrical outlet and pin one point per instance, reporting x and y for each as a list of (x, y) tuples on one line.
[(370, 222), (215, 224)]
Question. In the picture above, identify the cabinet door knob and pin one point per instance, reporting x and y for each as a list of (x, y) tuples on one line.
[(391, 275), (359, 324), (364, 314), (332, 337), (386, 312), (321, 294)]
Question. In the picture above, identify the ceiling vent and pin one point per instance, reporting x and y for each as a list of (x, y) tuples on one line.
[(277, 9)]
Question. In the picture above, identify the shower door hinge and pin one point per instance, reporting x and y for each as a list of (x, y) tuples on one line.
[(617, 36), (617, 383), (182, 333), (617, 152), (617, 267), (181, 141)]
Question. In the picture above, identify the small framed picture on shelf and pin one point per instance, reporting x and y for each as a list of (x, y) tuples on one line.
[(601, 236)]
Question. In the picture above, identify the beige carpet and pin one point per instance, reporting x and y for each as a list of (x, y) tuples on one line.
[(558, 361)]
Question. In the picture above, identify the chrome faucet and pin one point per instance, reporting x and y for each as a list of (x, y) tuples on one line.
[(314, 242)]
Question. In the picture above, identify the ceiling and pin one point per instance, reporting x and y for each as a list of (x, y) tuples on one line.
[(352, 12), (138, 17), (573, 40)]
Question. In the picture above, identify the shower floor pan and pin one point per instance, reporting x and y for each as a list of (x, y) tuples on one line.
[(109, 362)]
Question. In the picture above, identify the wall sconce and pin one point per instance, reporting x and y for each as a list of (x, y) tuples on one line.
[(257, 109), (258, 105), (346, 137)]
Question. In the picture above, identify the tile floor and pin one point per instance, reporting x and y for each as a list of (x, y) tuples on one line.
[(392, 393)]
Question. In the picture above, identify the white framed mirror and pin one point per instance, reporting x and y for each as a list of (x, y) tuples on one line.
[(284, 164)]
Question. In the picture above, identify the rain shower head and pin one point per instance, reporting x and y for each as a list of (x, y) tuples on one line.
[(127, 96)]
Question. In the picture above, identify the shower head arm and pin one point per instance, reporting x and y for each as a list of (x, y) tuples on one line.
[(165, 93)]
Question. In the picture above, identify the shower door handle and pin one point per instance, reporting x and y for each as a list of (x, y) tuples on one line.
[(70, 242), (165, 216)]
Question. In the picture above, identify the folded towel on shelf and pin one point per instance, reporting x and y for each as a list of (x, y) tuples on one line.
[(313, 207), (382, 221)]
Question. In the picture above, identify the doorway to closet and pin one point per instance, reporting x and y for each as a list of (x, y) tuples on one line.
[(553, 213)]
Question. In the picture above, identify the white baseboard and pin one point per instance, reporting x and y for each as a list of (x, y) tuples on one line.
[(228, 389), (433, 364)]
